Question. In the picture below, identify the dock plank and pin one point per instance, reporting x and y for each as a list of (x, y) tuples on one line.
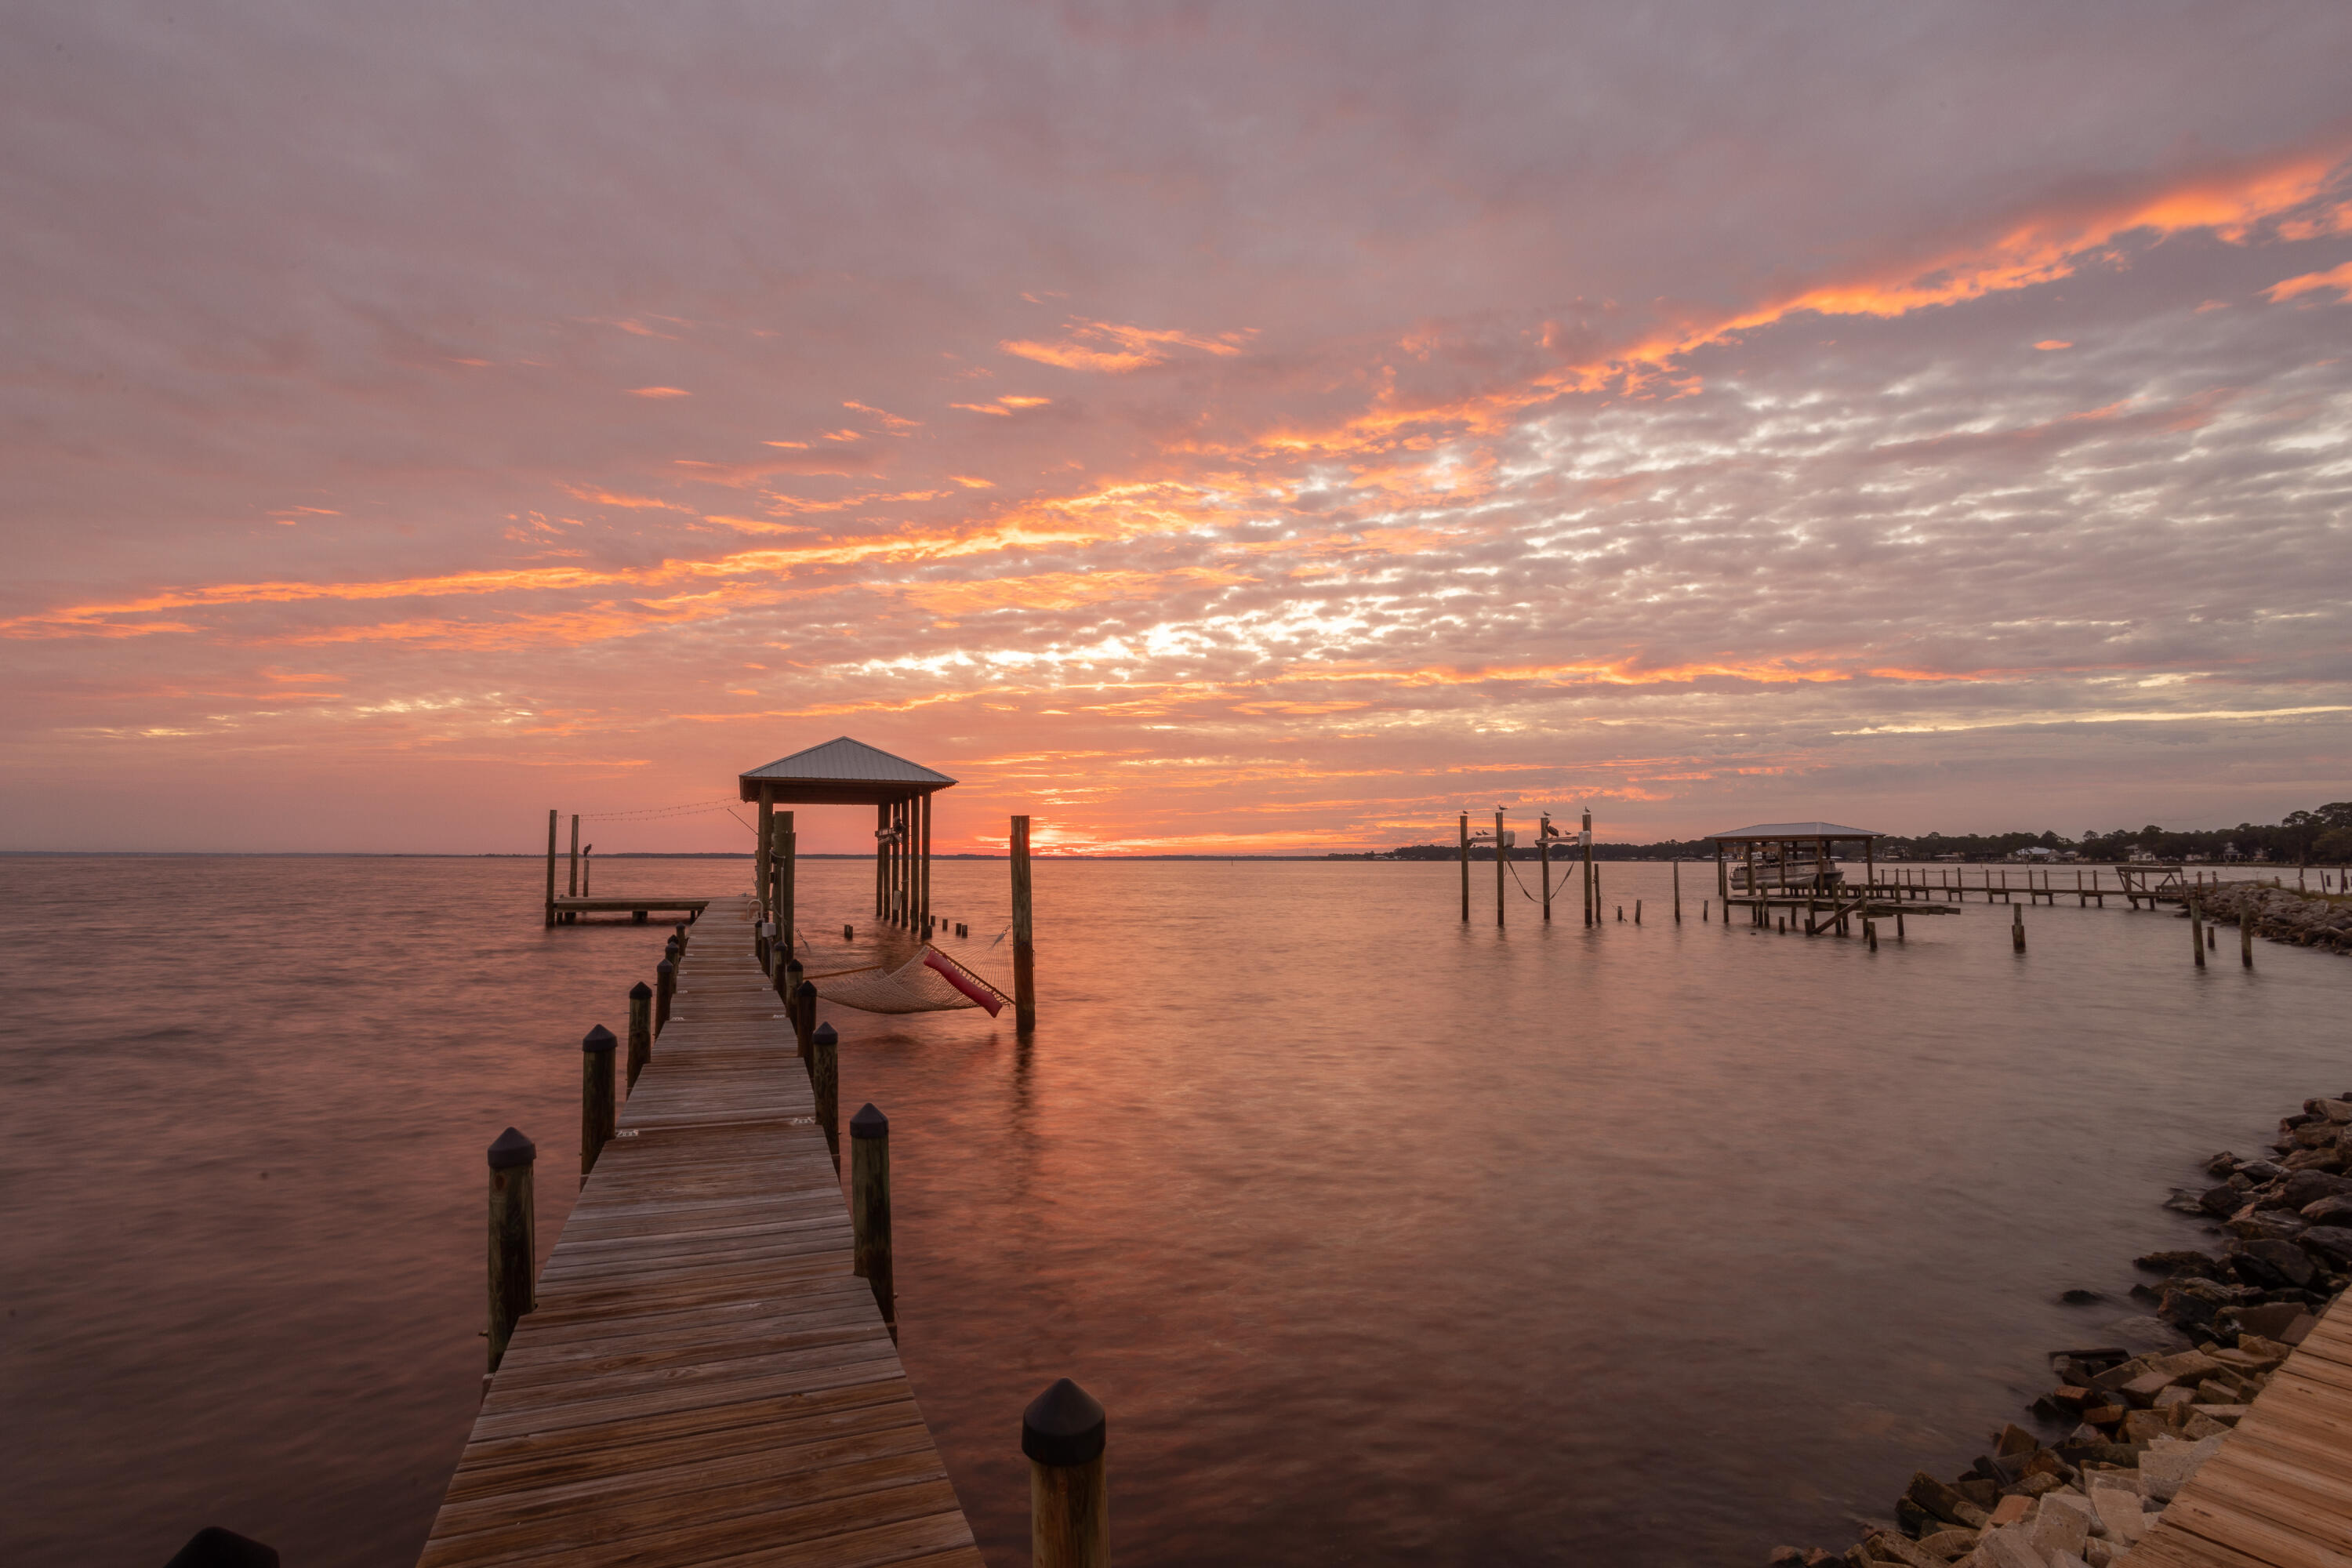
[(703, 1379), (2275, 1495)]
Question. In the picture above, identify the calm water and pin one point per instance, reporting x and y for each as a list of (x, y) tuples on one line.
[(1383, 1238)]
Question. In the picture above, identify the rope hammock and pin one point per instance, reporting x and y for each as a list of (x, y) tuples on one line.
[(930, 982)]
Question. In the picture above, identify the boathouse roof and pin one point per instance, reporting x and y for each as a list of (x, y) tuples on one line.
[(841, 771), (1776, 831)]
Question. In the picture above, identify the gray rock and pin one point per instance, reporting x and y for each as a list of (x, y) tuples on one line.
[(2261, 1169), (2335, 1210), (2306, 1187), (2329, 1241), (2273, 1264), (2191, 1303)]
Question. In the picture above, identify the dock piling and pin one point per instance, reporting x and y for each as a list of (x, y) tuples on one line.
[(1024, 949), (2017, 928), (2246, 937), (641, 1029), (1063, 1433), (598, 1115), (825, 1079), (1677, 866), (869, 1206), (2196, 933), (1466, 867), (512, 1217), (802, 1012), (664, 990)]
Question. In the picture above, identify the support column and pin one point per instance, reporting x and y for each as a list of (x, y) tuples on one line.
[(881, 821), (763, 866), (573, 891), (1024, 956), (1543, 861), (1584, 836), (787, 862), (551, 866), (1466, 862), (923, 884), (1501, 870)]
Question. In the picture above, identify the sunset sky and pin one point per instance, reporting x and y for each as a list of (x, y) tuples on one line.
[(1253, 427)]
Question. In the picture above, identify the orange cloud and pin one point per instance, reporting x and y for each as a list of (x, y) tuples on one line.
[(2337, 279), (659, 392), (1115, 348), (1006, 407)]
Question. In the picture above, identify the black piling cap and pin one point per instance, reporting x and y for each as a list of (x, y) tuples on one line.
[(640, 992), (511, 1149), (825, 1036), (213, 1547), (599, 1039), (1063, 1426), (805, 991), (869, 1123), (664, 967), (793, 966)]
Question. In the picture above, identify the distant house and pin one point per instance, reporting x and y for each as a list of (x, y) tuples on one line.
[(2035, 852)]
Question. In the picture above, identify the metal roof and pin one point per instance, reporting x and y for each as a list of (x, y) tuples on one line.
[(842, 772), (1775, 830)]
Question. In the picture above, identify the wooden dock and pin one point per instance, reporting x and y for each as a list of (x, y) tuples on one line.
[(2279, 1492), (703, 1378), (567, 911)]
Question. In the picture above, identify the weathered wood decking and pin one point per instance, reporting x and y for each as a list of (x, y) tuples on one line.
[(2279, 1492), (703, 1379)]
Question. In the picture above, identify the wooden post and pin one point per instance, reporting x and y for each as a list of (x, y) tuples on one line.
[(597, 1114), (1756, 914), (1543, 862), (923, 885), (587, 859), (1678, 890), (1465, 867), (788, 854), (869, 1205), (762, 867), (1898, 923), (1064, 1432), (2017, 928), (2245, 934), (1024, 953), (641, 1029), (571, 882), (881, 846), (551, 866), (2196, 932), (825, 1080), (512, 1220), (1637, 911), (802, 1007), (665, 989), (1591, 893), (1501, 870)]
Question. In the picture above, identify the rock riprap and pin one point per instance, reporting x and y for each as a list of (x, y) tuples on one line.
[(2143, 1409), (2281, 914)]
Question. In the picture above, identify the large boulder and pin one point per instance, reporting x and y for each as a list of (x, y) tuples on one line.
[(2305, 1188), (2272, 1265), (2331, 1242), (2190, 1303)]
